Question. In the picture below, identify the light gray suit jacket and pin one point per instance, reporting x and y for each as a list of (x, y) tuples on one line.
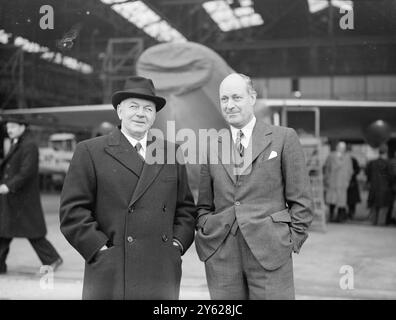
[(270, 201)]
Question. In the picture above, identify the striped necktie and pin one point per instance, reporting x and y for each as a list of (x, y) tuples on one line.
[(139, 147), (239, 146)]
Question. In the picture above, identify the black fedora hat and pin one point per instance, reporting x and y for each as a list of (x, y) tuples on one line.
[(138, 87), (15, 118)]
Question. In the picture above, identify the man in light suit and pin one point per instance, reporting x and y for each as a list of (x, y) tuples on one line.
[(251, 220), (130, 218)]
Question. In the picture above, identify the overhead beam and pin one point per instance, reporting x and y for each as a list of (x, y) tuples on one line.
[(304, 42), (181, 2)]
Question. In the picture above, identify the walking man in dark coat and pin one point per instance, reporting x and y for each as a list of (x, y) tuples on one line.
[(129, 218), (21, 214)]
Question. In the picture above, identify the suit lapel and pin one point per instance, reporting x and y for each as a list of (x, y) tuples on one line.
[(260, 140), (122, 151), (226, 144), (150, 171)]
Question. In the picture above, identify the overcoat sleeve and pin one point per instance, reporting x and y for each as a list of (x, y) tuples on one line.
[(77, 205), (205, 202), (185, 215)]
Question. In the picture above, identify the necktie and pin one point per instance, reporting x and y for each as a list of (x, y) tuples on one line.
[(138, 147), (238, 142)]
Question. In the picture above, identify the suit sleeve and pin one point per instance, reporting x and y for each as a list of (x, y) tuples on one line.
[(185, 215), (28, 168), (297, 189), (77, 205)]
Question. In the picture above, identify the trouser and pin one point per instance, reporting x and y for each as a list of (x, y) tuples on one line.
[(351, 210), (44, 249), (379, 215), (233, 273), (340, 216)]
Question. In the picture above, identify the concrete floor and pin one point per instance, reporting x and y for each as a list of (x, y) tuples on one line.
[(368, 252)]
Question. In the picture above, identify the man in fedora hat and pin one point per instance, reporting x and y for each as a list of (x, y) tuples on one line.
[(130, 219), (21, 214)]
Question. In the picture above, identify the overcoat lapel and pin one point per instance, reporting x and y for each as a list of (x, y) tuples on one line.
[(10, 152), (122, 151), (13, 148), (150, 171)]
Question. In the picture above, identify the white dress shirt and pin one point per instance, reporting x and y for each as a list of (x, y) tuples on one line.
[(133, 142), (247, 132)]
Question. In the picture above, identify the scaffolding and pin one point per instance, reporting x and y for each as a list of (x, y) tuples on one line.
[(12, 74), (119, 63)]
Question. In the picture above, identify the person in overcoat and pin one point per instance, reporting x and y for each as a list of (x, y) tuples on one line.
[(129, 217), (338, 170), (379, 180), (21, 213), (254, 208), (353, 192)]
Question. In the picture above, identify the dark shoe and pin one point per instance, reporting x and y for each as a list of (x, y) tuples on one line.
[(3, 269), (55, 265)]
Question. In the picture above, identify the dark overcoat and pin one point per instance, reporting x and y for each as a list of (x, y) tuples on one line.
[(110, 196), (379, 178), (353, 193), (21, 213)]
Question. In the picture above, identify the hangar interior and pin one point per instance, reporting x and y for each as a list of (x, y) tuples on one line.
[(73, 54), (327, 68)]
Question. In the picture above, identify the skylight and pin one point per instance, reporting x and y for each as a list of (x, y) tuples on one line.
[(138, 13), (46, 54), (318, 5), (240, 15)]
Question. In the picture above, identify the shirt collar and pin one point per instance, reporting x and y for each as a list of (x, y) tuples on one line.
[(133, 141), (247, 132)]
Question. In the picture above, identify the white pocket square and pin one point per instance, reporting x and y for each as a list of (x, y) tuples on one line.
[(272, 155)]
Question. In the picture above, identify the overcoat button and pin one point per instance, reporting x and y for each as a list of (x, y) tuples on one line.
[(130, 239), (164, 237)]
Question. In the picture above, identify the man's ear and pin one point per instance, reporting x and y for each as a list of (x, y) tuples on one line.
[(253, 98), (119, 111)]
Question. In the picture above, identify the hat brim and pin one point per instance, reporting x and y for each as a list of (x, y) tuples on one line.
[(6, 120), (119, 96)]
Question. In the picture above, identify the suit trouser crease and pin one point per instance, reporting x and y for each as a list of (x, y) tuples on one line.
[(234, 273)]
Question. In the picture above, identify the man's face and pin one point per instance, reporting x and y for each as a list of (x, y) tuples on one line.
[(137, 116), (237, 104), (15, 130), (341, 147)]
